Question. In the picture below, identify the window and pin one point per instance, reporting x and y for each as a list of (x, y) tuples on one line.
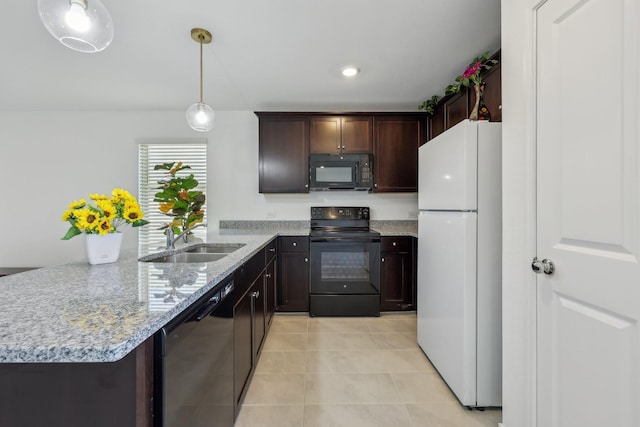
[(151, 153)]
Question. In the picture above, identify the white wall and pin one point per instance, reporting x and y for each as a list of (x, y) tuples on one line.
[(49, 159), (518, 216)]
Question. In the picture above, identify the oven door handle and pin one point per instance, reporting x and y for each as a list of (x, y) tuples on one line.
[(345, 239)]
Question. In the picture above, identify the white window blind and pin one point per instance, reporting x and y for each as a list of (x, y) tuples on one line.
[(151, 154)]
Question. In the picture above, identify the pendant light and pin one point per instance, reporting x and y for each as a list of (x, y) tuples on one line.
[(82, 25), (200, 116)]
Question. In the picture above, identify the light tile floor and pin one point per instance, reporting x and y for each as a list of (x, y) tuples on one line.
[(351, 372)]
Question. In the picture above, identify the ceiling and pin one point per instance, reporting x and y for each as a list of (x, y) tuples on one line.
[(266, 55)]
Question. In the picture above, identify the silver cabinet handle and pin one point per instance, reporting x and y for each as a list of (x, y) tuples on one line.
[(256, 294), (272, 249), (268, 275), (545, 266), (382, 259), (294, 244), (306, 259), (394, 244)]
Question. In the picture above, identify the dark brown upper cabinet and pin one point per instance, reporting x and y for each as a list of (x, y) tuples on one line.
[(287, 138), (457, 108), (493, 92), (452, 109), (283, 154), (338, 135), (395, 153)]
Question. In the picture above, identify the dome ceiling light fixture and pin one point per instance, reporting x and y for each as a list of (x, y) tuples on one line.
[(82, 25), (200, 116), (350, 71)]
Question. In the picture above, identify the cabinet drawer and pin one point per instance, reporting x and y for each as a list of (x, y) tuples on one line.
[(271, 250), (294, 244), (247, 273), (395, 244)]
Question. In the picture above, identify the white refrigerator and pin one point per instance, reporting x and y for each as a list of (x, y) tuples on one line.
[(459, 260)]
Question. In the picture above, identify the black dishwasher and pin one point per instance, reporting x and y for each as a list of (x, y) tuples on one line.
[(194, 364)]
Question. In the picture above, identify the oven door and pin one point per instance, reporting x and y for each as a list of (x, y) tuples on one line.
[(345, 266)]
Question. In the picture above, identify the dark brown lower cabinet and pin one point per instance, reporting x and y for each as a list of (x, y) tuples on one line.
[(259, 324), (251, 313), (397, 273), (242, 347), (293, 273), (271, 295), (79, 394)]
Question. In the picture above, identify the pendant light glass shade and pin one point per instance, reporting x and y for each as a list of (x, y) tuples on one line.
[(82, 25), (200, 116)]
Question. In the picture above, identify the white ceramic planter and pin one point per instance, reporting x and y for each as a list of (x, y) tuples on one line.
[(103, 249)]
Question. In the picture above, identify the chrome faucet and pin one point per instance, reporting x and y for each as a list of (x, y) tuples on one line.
[(172, 239)]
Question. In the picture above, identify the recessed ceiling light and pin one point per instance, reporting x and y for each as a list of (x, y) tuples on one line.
[(350, 71)]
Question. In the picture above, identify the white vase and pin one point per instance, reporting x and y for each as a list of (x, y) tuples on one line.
[(103, 249)]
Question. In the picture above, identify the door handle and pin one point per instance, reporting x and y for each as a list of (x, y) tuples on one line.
[(545, 266)]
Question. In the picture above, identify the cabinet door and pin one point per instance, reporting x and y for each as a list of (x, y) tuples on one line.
[(357, 134), (270, 291), (259, 324), (325, 135), (397, 273), (457, 108), (493, 92), (242, 347), (437, 123), (293, 279), (284, 155), (396, 290), (396, 142)]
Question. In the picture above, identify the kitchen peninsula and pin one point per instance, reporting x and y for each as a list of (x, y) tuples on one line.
[(76, 341)]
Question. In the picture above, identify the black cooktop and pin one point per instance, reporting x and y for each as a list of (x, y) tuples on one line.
[(341, 222)]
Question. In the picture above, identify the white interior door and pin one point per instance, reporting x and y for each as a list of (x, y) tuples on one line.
[(588, 220)]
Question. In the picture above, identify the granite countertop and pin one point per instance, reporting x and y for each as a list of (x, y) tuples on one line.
[(384, 227), (78, 312), (395, 227)]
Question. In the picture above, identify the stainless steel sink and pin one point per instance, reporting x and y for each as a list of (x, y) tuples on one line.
[(204, 252), (215, 248), (188, 257)]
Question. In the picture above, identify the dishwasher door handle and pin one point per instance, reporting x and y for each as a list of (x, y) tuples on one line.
[(213, 303), (163, 342)]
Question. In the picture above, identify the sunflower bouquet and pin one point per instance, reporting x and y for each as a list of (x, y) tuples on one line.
[(108, 213)]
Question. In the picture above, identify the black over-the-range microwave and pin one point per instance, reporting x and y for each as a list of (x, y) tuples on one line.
[(341, 172)]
